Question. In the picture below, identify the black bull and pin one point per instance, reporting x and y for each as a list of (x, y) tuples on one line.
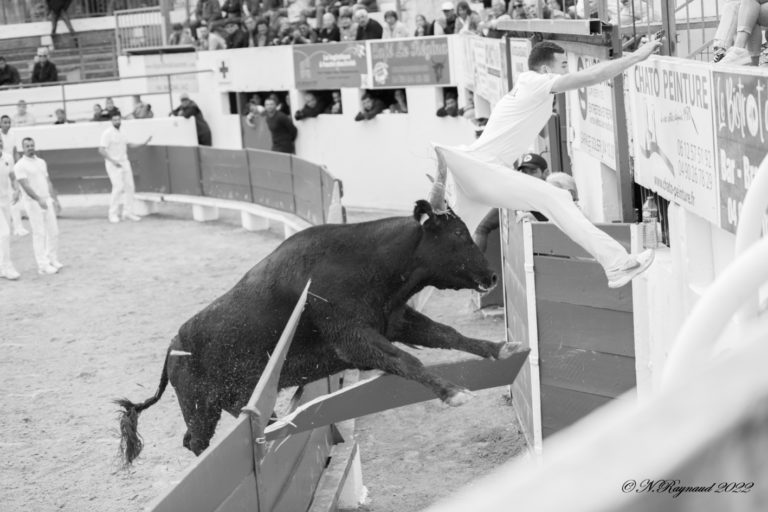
[(362, 275)]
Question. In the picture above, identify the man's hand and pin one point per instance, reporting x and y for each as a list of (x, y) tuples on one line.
[(650, 47), (43, 204)]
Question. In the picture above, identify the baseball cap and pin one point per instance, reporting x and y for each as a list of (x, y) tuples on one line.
[(532, 160), (446, 6)]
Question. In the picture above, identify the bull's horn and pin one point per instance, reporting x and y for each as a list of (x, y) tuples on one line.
[(437, 194)]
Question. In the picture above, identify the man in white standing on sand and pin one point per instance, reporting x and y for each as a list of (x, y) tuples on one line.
[(483, 173), (114, 148), (10, 149), (7, 182), (32, 174)]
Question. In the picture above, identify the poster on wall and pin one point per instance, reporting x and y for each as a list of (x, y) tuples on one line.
[(467, 74), (519, 50), (592, 115), (674, 135), (489, 69), (329, 65), (407, 62), (741, 121)]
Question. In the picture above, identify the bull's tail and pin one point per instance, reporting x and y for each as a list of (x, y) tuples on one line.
[(130, 441)]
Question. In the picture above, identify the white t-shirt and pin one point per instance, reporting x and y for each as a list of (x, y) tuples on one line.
[(9, 142), (24, 120), (114, 142), (517, 118), (35, 170), (6, 191)]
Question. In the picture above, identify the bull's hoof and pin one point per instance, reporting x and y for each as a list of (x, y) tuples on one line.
[(509, 349), (459, 398)]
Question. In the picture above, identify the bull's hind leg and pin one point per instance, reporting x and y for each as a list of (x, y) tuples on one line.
[(411, 327)]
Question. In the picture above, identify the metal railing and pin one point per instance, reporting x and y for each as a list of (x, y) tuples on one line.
[(26, 11), (139, 28)]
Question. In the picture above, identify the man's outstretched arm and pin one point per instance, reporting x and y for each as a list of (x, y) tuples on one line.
[(605, 70)]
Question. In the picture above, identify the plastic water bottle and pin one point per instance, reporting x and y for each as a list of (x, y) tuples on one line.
[(650, 223)]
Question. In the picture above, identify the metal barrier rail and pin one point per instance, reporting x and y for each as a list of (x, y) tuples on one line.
[(140, 28)]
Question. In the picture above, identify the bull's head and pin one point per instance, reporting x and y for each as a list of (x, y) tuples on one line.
[(448, 253)]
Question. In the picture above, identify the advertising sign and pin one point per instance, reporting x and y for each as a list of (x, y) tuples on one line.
[(407, 62), (329, 65), (519, 50)]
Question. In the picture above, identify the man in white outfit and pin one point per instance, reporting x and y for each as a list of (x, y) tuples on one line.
[(114, 148), (32, 174), (10, 149), (483, 173), (7, 181)]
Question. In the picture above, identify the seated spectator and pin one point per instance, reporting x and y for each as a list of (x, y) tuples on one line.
[(498, 13), (517, 10), (335, 106), (556, 11), (110, 109), (347, 29), (61, 117), (743, 28), (423, 27), (330, 31), (207, 12), (189, 108), (99, 114), (467, 20), (186, 35), (232, 8), (141, 110), (392, 27), (44, 70), (367, 28), (22, 117), (446, 24), (304, 34), (250, 30), (9, 75), (175, 38), (217, 38), (236, 37), (371, 108), (203, 38), (399, 106), (313, 107), (449, 108)]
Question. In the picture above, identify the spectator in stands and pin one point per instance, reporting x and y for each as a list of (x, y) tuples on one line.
[(141, 110), (393, 28), (203, 41), (399, 106), (9, 75), (98, 113), (236, 37), (423, 27), (61, 117), (207, 12), (217, 38), (175, 37), (467, 20), (313, 107), (232, 8), (371, 108), (556, 10), (44, 70), (32, 174), (517, 10), (367, 28), (264, 35), (498, 13), (280, 126), (446, 24), (330, 31), (110, 110), (335, 106), (450, 107), (347, 29), (281, 105), (304, 34), (750, 13), (23, 117), (58, 10), (249, 25), (369, 5), (189, 108)]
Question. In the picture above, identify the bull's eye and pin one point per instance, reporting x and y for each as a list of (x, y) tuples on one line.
[(458, 232)]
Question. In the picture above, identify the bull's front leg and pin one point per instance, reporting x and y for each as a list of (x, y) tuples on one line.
[(411, 327)]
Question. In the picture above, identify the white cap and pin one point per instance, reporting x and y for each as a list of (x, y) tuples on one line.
[(446, 6)]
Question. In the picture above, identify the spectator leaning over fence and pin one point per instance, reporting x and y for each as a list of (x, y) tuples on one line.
[(446, 24), (23, 117), (189, 108), (232, 8), (371, 107), (32, 174), (217, 37), (9, 75), (44, 70), (393, 28), (141, 110), (335, 106), (10, 149), (467, 20), (450, 107), (281, 127), (367, 28), (263, 35), (399, 106), (110, 110), (236, 37), (8, 194), (175, 38), (423, 27), (347, 29), (249, 25), (113, 147), (498, 13), (313, 107), (61, 117), (99, 114), (330, 31), (751, 13)]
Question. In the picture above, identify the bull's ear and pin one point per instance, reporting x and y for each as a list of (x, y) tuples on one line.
[(422, 212)]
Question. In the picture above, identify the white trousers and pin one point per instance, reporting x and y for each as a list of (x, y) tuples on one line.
[(45, 232), (5, 237), (15, 219), (726, 28), (482, 182), (123, 187)]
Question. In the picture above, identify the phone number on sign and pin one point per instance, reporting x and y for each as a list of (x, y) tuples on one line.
[(676, 488)]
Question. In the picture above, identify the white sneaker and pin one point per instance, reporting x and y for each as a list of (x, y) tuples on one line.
[(21, 232), (638, 265), (57, 264), (10, 273), (737, 56), (114, 219), (130, 216), (47, 270)]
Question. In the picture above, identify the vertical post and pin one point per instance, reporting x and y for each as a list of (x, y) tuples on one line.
[(602, 9), (165, 24), (620, 135), (170, 91), (64, 98), (669, 26)]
